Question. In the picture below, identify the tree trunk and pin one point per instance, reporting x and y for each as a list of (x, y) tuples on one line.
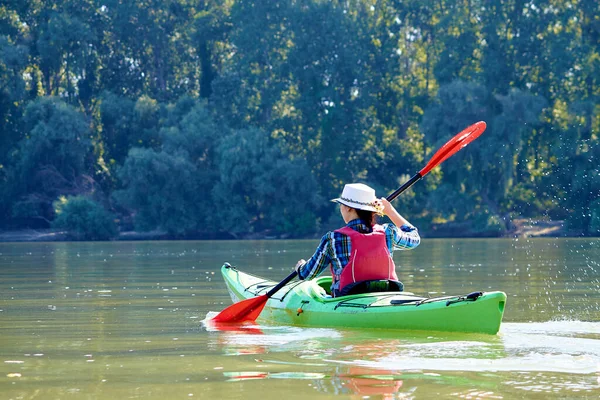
[(206, 70)]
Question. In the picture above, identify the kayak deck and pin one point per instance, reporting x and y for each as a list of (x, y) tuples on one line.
[(307, 303)]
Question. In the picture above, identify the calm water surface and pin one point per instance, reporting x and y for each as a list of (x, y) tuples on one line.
[(122, 320)]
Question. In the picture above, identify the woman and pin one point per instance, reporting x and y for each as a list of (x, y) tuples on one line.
[(362, 250)]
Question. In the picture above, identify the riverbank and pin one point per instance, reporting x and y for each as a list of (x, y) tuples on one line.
[(522, 228), (529, 228), (51, 235)]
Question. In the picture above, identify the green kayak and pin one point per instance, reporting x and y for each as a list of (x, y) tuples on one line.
[(306, 303)]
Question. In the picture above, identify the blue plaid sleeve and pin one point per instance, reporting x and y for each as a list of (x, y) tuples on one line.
[(319, 261), (405, 237)]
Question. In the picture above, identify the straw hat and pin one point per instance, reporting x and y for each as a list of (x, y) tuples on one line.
[(358, 195)]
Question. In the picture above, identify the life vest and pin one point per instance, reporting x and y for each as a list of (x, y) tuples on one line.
[(370, 258)]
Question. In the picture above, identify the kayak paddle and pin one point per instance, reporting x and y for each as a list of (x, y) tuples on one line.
[(250, 309), (451, 147)]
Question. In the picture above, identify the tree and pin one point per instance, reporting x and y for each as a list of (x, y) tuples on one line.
[(63, 47), (13, 61), (169, 187), (211, 25), (261, 189), (150, 43), (52, 158), (161, 190), (84, 219), (458, 105), (520, 166), (119, 130)]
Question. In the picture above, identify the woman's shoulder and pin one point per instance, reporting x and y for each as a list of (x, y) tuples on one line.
[(333, 236), (329, 236)]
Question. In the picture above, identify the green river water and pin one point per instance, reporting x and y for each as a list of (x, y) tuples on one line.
[(123, 320)]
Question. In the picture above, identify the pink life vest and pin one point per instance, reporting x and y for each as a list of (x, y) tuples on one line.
[(370, 258)]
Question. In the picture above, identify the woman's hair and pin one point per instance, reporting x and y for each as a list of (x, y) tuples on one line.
[(369, 218)]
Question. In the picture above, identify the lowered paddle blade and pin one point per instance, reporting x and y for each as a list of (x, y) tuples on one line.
[(249, 309), (245, 310)]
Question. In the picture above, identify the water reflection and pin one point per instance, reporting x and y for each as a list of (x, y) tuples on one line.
[(246, 327), (566, 347), (357, 365), (361, 381)]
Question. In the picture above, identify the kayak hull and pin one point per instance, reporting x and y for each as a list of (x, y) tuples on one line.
[(305, 303)]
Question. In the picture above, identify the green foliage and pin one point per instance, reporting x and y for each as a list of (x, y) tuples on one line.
[(496, 171), (146, 116), (162, 190), (51, 159), (510, 136), (446, 202), (56, 146), (260, 185), (13, 61), (84, 219), (119, 132), (458, 105), (5, 198), (63, 42), (189, 108), (487, 223), (595, 217), (525, 201), (33, 208), (149, 49), (170, 188)]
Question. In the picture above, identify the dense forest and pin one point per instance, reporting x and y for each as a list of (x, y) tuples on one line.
[(203, 118)]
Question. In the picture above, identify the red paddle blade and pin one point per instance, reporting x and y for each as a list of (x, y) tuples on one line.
[(451, 147), (245, 310)]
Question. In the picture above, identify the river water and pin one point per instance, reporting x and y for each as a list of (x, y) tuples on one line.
[(122, 320)]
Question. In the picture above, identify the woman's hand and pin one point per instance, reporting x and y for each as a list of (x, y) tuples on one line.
[(383, 206), (388, 209), (299, 264)]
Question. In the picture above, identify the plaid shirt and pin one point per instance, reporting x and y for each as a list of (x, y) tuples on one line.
[(335, 248)]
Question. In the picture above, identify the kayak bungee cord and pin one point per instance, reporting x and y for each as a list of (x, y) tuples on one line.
[(260, 286)]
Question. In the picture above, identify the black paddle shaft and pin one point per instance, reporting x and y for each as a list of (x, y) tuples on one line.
[(402, 188), (282, 284)]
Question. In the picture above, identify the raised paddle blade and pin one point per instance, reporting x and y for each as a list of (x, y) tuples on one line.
[(245, 310), (451, 147)]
